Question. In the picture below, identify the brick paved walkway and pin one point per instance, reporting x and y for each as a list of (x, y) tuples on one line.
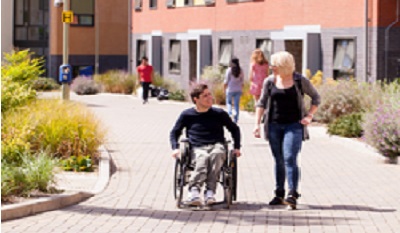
[(345, 186)]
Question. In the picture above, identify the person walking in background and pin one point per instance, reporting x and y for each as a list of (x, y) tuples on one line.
[(285, 121), (233, 85), (146, 74), (259, 70)]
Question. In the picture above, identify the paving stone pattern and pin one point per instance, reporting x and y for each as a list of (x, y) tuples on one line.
[(345, 186)]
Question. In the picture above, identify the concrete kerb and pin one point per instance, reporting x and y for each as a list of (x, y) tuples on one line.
[(65, 199)]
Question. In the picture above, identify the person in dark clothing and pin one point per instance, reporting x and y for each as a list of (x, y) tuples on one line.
[(204, 126)]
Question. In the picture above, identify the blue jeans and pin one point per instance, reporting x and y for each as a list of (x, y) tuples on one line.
[(236, 99), (285, 141)]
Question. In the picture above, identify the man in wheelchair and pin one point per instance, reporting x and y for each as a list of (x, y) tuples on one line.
[(204, 126)]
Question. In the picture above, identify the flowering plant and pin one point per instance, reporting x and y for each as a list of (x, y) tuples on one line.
[(382, 126)]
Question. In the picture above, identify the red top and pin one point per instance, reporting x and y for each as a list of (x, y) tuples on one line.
[(145, 73)]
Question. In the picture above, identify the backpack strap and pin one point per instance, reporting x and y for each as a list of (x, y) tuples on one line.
[(297, 81)]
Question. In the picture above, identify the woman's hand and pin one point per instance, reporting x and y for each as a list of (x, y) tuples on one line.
[(307, 119), (256, 131)]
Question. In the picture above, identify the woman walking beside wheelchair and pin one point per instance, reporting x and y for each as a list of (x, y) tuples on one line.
[(285, 120)]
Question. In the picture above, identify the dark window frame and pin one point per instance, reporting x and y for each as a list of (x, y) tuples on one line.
[(77, 22), (139, 45), (259, 42), (344, 72), (220, 44), (175, 67), (153, 4)]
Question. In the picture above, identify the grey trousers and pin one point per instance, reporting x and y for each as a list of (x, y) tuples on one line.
[(207, 161)]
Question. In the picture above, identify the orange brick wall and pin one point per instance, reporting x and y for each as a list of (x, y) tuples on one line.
[(258, 15), (113, 31)]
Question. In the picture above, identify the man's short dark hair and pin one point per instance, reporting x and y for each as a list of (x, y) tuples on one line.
[(144, 58), (197, 90)]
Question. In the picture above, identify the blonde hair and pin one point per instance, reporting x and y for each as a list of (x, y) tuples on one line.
[(284, 62), (258, 57)]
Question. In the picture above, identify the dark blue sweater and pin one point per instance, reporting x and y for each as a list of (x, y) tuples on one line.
[(204, 128)]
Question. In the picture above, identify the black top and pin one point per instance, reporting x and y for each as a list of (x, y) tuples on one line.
[(284, 106), (204, 128)]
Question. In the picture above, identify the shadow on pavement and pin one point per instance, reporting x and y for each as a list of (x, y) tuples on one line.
[(248, 215), (349, 207)]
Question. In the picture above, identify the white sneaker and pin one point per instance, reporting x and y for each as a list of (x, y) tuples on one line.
[(194, 197), (209, 197)]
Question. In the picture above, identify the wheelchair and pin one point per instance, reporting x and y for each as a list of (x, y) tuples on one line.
[(227, 178)]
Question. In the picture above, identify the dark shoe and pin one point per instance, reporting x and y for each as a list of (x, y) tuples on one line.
[(276, 201), (291, 199)]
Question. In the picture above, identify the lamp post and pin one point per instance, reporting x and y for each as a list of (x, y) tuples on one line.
[(65, 71), (65, 85)]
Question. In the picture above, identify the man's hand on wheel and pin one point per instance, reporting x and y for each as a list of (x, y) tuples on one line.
[(237, 152), (175, 153)]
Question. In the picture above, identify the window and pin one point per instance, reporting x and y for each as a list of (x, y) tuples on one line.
[(153, 3), (188, 2), (138, 5), (235, 1), (225, 52), (344, 58), (141, 51), (31, 20), (30, 26), (266, 46), (170, 3), (175, 56), (208, 2), (83, 12)]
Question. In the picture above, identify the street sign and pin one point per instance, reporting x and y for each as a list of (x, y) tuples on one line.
[(67, 16)]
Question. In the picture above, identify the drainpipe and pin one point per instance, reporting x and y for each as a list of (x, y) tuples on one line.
[(96, 37), (366, 42), (387, 38), (130, 17)]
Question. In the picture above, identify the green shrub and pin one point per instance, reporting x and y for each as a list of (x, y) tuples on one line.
[(247, 100), (382, 126), (338, 100), (117, 81), (212, 74), (45, 84), (347, 126), (177, 95), (20, 67), (78, 163), (214, 78), (61, 128), (39, 170), (165, 83), (18, 72), (158, 80), (33, 173), (85, 86)]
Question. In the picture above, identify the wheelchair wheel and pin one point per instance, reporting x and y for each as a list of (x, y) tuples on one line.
[(178, 182), (234, 170), (227, 183)]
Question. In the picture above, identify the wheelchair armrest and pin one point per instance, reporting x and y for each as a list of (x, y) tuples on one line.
[(185, 140)]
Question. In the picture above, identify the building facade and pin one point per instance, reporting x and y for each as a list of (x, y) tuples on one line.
[(98, 35), (342, 38)]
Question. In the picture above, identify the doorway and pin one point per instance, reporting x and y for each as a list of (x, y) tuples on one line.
[(192, 61), (295, 47)]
